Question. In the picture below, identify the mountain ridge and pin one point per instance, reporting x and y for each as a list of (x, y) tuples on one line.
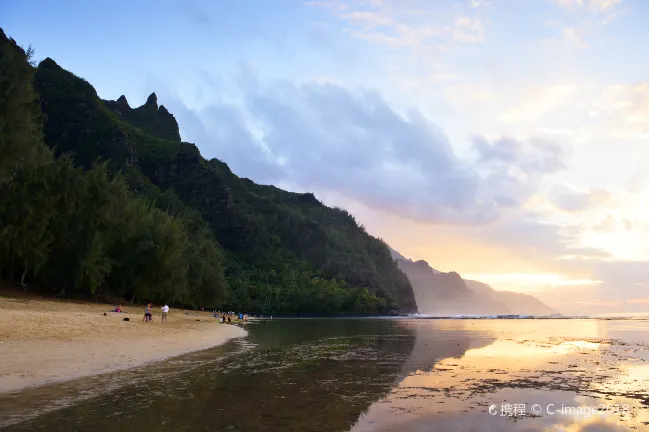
[(149, 117), (448, 293), (276, 243)]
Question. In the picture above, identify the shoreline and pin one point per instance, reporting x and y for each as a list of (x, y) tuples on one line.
[(44, 341)]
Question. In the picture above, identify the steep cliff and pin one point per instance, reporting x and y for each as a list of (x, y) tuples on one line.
[(149, 118), (446, 293), (284, 251)]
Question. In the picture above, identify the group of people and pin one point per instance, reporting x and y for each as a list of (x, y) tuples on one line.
[(148, 316), (223, 316)]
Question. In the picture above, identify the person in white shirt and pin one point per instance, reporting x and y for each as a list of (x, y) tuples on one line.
[(165, 310)]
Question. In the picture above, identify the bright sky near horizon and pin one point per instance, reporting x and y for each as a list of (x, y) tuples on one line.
[(507, 140)]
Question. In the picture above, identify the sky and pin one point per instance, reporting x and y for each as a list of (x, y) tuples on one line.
[(507, 140)]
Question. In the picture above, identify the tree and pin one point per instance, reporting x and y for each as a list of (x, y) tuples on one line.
[(21, 140)]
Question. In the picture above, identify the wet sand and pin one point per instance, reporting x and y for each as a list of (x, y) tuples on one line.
[(45, 340)]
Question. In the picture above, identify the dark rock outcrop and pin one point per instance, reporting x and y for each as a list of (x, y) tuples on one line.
[(149, 118)]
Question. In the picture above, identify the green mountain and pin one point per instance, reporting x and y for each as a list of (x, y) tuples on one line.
[(278, 251)]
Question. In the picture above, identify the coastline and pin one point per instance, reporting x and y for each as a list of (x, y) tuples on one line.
[(44, 341)]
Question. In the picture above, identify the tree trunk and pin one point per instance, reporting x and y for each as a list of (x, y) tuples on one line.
[(22, 280)]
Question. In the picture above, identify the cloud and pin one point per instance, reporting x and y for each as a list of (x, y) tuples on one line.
[(596, 6), (512, 170), (584, 17), (611, 220), (571, 199), (404, 23), (583, 112), (323, 137), (530, 235), (624, 282), (628, 105), (535, 156), (469, 30), (535, 101), (603, 5), (368, 19), (574, 37), (332, 5)]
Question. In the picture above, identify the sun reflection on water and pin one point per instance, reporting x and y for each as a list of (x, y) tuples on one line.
[(571, 365)]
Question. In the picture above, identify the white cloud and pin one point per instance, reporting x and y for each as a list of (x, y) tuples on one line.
[(610, 220), (574, 37), (625, 110), (569, 198), (578, 113), (536, 101), (332, 5), (367, 19), (596, 6), (330, 138), (587, 16), (469, 30), (400, 23), (603, 5)]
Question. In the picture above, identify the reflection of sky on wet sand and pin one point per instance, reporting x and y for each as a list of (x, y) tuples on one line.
[(567, 368)]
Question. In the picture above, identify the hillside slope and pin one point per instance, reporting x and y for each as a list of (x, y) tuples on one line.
[(446, 293), (278, 244), (518, 303), (449, 294)]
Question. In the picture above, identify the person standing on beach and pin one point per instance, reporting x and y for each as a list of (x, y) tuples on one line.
[(147, 313), (165, 310)]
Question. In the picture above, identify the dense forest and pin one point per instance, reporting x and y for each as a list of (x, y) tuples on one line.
[(98, 198)]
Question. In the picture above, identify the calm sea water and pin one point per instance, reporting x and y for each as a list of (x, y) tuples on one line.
[(370, 375)]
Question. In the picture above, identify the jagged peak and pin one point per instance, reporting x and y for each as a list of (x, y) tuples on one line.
[(152, 100), (48, 63), (164, 110), (122, 102)]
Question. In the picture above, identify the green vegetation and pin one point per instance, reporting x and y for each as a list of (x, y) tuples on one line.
[(123, 207)]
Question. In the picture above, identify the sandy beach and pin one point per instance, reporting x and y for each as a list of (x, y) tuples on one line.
[(48, 340)]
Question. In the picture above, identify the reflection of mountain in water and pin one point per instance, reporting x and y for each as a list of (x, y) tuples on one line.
[(433, 343)]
